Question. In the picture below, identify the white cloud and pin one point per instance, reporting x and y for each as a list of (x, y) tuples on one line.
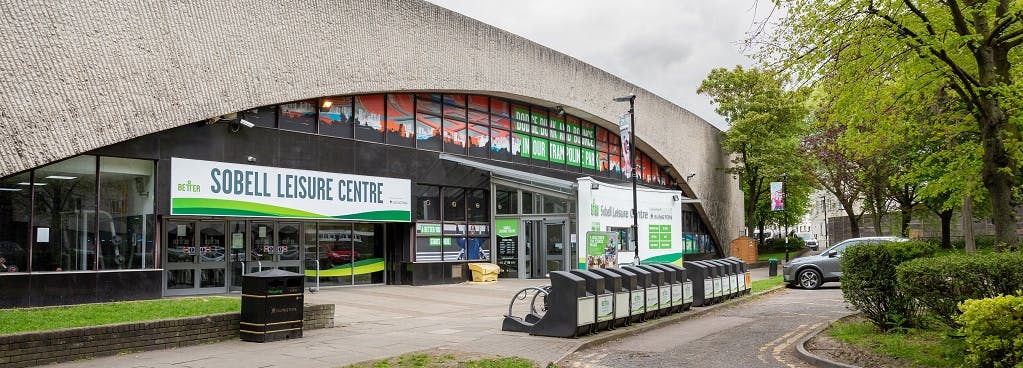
[(665, 46)]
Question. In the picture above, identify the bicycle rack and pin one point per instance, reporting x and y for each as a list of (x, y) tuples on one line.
[(535, 314)]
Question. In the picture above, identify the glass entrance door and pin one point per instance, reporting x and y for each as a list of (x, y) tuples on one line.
[(544, 246), (275, 245), (196, 257)]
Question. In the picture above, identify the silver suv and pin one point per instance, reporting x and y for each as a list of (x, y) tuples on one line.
[(812, 271)]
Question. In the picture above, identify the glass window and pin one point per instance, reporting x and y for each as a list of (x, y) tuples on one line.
[(454, 136), (65, 215), (427, 202), (15, 202), (520, 147), (500, 145), (479, 103), (428, 103), (429, 242), (499, 108), (265, 116), (479, 140), (507, 201), (428, 132), (454, 106), (477, 205), (527, 202), (336, 253), (126, 218), (335, 116), (520, 119), (554, 204), (369, 116), (400, 122), (454, 204), (368, 253), (299, 116)]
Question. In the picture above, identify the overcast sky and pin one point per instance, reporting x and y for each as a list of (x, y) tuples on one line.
[(664, 46)]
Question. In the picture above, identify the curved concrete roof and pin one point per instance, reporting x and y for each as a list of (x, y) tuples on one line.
[(81, 75)]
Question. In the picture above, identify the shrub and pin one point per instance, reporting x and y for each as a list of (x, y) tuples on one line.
[(994, 330), (939, 284), (869, 282), (774, 245)]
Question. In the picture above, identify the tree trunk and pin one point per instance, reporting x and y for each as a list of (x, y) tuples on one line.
[(907, 217), (946, 229), (854, 221), (968, 240)]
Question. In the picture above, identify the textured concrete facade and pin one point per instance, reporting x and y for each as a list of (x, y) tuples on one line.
[(78, 75)]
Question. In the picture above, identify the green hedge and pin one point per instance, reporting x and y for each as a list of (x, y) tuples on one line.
[(775, 245), (939, 284), (869, 283), (994, 331)]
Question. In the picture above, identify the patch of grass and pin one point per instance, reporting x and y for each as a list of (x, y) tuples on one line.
[(779, 256), (930, 348), (449, 360), (761, 285), (500, 363), (55, 318)]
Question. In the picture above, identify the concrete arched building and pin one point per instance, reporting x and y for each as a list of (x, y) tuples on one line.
[(390, 141)]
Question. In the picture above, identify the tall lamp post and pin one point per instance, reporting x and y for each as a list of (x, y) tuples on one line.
[(632, 162), (824, 204), (785, 215)]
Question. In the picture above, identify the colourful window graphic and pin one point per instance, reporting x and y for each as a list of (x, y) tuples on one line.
[(557, 152)]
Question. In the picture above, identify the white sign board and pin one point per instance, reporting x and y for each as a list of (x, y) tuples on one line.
[(210, 188)]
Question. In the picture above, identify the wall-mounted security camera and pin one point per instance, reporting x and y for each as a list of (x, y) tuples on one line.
[(246, 123)]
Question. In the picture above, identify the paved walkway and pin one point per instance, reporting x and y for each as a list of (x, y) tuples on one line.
[(374, 322)]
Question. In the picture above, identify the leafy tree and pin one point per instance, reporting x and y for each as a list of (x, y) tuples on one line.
[(766, 123), (970, 46)]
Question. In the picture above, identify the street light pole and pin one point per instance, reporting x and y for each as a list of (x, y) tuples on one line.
[(824, 203), (632, 162), (785, 214)]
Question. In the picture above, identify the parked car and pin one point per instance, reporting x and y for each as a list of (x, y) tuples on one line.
[(811, 271), (810, 240)]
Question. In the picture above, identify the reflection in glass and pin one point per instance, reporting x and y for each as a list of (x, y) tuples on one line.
[(428, 132), (336, 253), (479, 140), (369, 116), (427, 202), (126, 214), (454, 136), (477, 205), (454, 204), (180, 242), (211, 242), (15, 202), (298, 116), (500, 145), (507, 201), (400, 121), (262, 235), (554, 204), (288, 242), (335, 116), (369, 266), (237, 248), (312, 258), (65, 215)]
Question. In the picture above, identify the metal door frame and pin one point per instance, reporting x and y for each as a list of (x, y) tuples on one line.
[(540, 235), (196, 266)]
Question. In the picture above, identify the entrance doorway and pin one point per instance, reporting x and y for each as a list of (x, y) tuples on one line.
[(544, 246), (196, 257)]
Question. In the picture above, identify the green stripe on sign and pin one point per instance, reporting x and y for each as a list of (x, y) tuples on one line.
[(665, 258), (387, 215), (228, 207), (362, 267)]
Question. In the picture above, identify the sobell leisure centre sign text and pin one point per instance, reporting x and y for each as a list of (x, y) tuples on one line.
[(221, 189)]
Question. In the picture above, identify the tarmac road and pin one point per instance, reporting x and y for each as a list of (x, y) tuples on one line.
[(760, 333)]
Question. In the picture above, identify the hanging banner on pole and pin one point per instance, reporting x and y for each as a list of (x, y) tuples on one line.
[(777, 196), (625, 131)]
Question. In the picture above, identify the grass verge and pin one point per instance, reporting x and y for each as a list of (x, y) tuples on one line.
[(445, 360), (930, 348), (761, 285), (55, 318), (763, 257)]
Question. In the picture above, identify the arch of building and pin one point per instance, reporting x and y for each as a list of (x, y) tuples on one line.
[(77, 78)]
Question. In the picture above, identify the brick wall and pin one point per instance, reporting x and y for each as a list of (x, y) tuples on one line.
[(38, 348)]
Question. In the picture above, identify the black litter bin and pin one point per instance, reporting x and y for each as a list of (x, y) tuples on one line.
[(772, 267), (272, 306)]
